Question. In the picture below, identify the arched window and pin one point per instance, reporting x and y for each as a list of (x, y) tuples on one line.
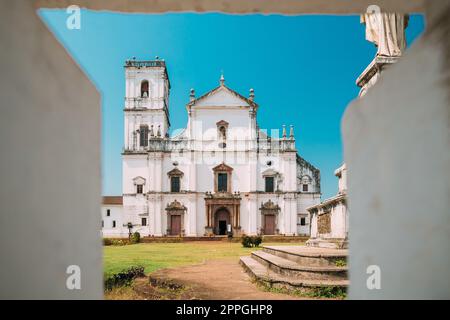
[(144, 89), (223, 134), (222, 127)]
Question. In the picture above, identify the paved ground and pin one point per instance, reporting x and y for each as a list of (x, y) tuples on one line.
[(216, 279)]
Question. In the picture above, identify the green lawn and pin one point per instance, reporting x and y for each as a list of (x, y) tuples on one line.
[(154, 256)]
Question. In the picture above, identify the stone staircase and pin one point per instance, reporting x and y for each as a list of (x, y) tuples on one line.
[(298, 268)]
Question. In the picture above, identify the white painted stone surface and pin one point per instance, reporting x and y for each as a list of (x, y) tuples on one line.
[(50, 164), (397, 149)]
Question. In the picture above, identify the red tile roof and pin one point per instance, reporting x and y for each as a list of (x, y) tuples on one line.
[(112, 200)]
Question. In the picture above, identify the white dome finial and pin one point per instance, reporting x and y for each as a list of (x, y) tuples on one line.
[(222, 79)]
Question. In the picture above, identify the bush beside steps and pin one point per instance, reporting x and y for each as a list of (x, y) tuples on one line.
[(251, 241)]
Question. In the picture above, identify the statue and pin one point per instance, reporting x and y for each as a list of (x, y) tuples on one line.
[(386, 31)]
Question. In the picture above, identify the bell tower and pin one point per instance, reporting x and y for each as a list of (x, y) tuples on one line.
[(146, 109)]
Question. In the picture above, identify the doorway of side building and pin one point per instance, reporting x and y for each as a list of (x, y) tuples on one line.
[(221, 221)]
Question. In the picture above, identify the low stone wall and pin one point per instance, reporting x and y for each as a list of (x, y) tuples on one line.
[(294, 239)]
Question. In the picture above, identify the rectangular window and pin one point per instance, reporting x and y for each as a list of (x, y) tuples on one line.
[(305, 188), (175, 184), (222, 182), (269, 184), (103, 224), (144, 222), (143, 136), (108, 212), (140, 188), (114, 224), (303, 221)]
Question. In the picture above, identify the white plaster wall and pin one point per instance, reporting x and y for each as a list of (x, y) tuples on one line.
[(204, 125), (306, 172), (303, 230), (136, 166), (153, 75), (338, 222), (242, 177), (50, 164), (399, 207), (116, 214), (158, 94)]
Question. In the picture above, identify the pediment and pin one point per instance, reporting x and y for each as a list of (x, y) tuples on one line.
[(139, 180), (175, 205), (270, 206), (222, 123), (269, 173), (175, 172), (222, 167), (222, 96)]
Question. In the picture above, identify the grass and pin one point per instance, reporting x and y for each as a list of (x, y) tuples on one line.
[(155, 256)]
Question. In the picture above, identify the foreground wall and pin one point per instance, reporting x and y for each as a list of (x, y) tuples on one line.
[(397, 149), (50, 164)]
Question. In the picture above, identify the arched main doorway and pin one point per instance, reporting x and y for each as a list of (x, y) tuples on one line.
[(221, 221)]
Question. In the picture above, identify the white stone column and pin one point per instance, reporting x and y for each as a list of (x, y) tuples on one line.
[(293, 215), (159, 211), (253, 199), (191, 185), (192, 216), (252, 212)]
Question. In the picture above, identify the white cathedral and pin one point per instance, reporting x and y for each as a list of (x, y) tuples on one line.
[(220, 174)]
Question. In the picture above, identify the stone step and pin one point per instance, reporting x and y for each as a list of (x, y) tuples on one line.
[(328, 243), (310, 256), (269, 278), (293, 269)]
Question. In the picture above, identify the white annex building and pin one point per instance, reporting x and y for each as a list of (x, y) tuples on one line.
[(329, 219), (220, 174)]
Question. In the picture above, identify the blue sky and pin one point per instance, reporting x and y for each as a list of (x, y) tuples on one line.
[(302, 68)]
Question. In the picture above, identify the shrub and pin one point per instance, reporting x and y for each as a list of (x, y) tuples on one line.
[(123, 278), (249, 242), (136, 237), (246, 241), (257, 240), (118, 242), (115, 242)]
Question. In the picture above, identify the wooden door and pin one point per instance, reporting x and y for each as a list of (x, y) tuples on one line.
[(175, 225), (269, 224)]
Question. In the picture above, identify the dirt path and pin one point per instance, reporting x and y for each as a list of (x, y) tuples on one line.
[(216, 279)]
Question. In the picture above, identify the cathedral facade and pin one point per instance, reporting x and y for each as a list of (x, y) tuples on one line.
[(221, 174)]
